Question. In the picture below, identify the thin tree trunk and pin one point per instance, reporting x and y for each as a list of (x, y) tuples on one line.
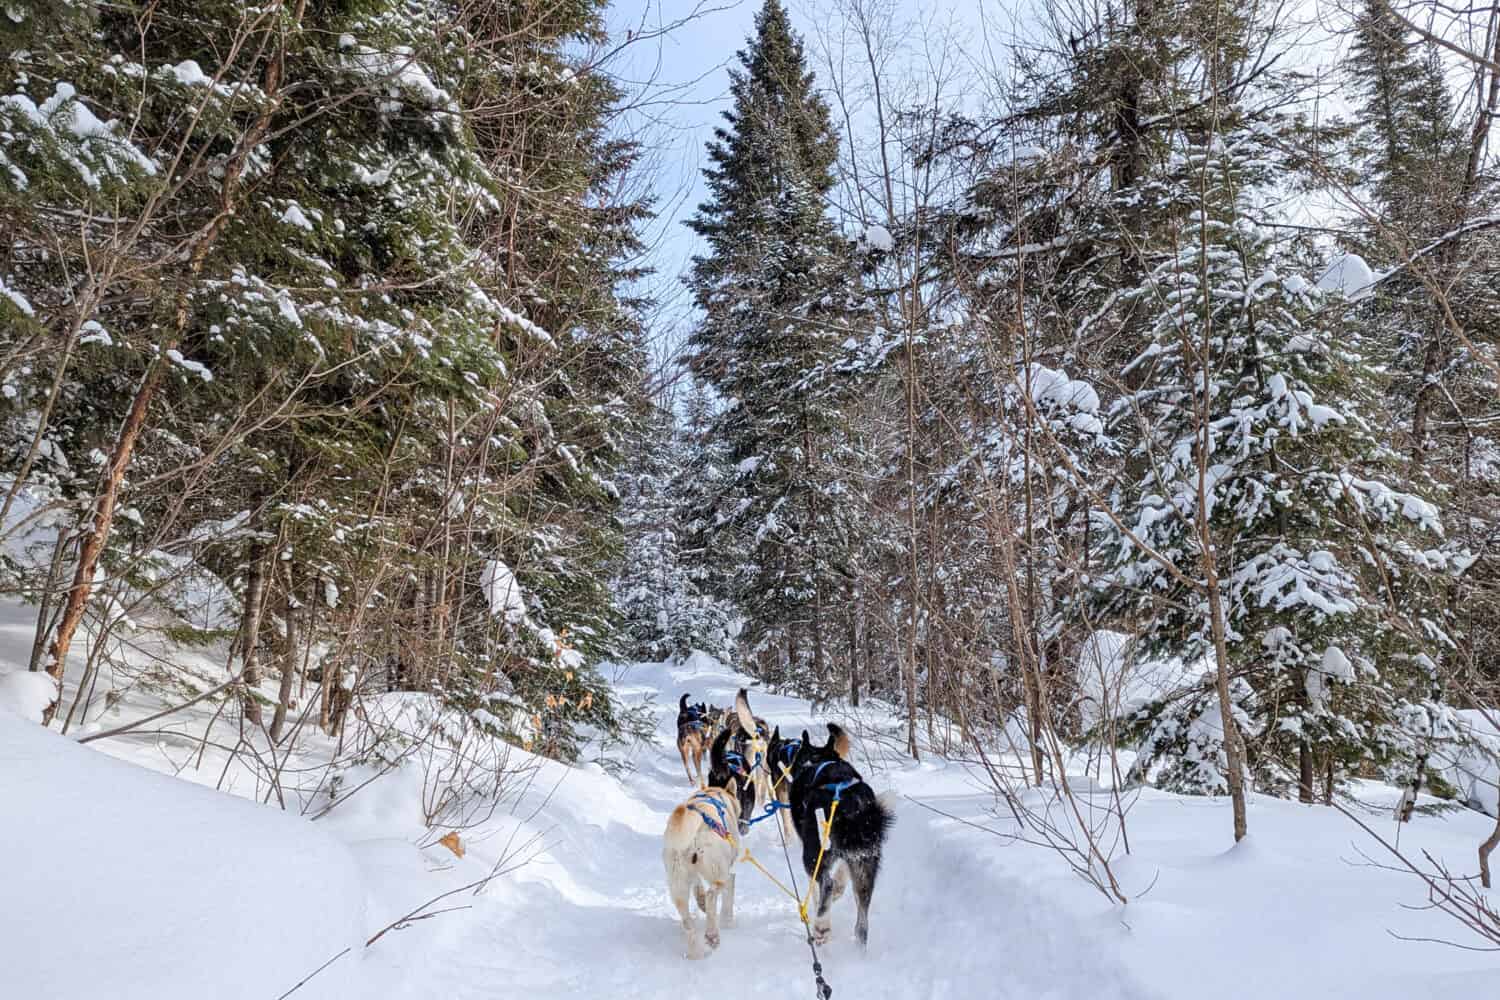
[(49, 595), (289, 658), (1023, 649), (92, 545), (1233, 749), (869, 643), (910, 307), (792, 654), (853, 654), (327, 668), (1485, 848), (1305, 779), (255, 590), (909, 659)]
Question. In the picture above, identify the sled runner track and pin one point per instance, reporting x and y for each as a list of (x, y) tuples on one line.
[(594, 915)]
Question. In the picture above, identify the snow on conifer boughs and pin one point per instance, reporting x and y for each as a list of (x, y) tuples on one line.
[(377, 303), (1330, 560), (668, 611), (777, 288)]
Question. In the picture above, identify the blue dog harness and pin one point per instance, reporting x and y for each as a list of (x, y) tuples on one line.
[(789, 749), (771, 809), (838, 788), (719, 826)]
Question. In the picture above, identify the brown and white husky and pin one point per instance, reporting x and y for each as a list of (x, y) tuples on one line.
[(692, 738), (699, 852)]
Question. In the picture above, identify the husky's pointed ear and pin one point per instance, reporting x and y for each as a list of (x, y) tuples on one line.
[(806, 738), (776, 735), (838, 740), (743, 713)]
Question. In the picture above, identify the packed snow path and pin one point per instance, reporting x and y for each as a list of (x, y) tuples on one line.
[(591, 918)]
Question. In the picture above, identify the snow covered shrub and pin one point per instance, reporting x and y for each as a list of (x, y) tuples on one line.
[(1180, 739), (464, 759), (1466, 760)]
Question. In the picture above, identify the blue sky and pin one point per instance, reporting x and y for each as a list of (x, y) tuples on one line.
[(677, 54), (678, 69), (676, 63)]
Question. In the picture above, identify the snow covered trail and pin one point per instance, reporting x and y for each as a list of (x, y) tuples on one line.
[(591, 916)]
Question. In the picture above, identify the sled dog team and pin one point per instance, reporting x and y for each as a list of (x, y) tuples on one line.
[(753, 772)]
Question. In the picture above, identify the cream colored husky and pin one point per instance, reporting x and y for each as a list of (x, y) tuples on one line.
[(699, 853), (757, 749)]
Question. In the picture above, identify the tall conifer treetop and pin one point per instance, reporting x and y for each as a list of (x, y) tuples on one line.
[(779, 131)]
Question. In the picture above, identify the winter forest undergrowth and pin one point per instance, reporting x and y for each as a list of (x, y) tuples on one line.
[(1091, 407)]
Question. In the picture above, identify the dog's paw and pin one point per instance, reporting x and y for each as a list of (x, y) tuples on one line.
[(712, 937), (822, 935)]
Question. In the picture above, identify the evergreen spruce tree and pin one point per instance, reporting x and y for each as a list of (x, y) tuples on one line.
[(1434, 318), (1255, 415), (667, 612), (776, 287), (1405, 137)]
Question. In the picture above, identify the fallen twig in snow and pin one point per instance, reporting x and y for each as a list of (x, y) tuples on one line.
[(1446, 893), (500, 868), (170, 710), (308, 978)]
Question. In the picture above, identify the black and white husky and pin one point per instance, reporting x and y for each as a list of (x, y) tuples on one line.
[(821, 776)]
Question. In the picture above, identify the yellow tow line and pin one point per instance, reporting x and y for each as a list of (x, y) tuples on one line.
[(824, 833)]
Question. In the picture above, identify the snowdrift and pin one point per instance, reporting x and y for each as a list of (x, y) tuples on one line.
[(125, 884)]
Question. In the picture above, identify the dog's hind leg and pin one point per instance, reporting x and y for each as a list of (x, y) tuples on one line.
[(840, 882), (711, 933), (680, 894), (726, 913), (823, 897), (862, 874), (682, 749), (832, 882), (824, 889)]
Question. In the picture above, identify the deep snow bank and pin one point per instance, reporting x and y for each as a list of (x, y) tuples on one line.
[(123, 883)]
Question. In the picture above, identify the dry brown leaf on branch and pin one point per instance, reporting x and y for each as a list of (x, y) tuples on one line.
[(451, 841)]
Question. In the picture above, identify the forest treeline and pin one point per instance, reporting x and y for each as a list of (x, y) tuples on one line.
[(1009, 368)]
